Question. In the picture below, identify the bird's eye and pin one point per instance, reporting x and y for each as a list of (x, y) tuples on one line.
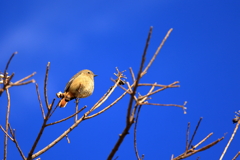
[(88, 72)]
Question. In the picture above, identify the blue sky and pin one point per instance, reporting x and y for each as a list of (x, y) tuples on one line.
[(202, 53)]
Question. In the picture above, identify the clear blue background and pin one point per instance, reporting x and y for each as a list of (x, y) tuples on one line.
[(202, 53)]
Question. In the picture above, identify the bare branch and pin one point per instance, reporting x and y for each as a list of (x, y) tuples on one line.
[(40, 101), (30, 154), (109, 92), (158, 85), (6, 133), (102, 100), (25, 78), (9, 78), (230, 140), (135, 134), (130, 118), (161, 89), (235, 157), (187, 136), (209, 145), (20, 84), (68, 140), (195, 132), (106, 108), (53, 110), (116, 158), (16, 142), (210, 134), (45, 86), (76, 110), (156, 53), (58, 139), (132, 73), (67, 117), (120, 140), (138, 77), (6, 68), (7, 121), (128, 91), (192, 151), (170, 105)]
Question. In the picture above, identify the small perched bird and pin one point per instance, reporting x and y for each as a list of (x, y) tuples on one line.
[(81, 85)]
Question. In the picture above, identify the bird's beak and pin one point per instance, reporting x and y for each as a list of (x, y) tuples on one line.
[(95, 75)]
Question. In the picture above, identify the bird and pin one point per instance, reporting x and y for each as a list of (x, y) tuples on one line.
[(81, 85)]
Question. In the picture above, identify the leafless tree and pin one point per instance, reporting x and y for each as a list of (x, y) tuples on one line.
[(136, 101)]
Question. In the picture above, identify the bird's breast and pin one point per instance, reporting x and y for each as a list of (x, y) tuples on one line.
[(82, 86)]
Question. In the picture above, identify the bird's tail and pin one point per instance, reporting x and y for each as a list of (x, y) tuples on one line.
[(62, 103)]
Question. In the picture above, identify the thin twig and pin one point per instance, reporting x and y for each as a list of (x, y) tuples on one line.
[(192, 151), (20, 84), (116, 158), (135, 133), (6, 133), (106, 108), (25, 78), (45, 86), (210, 134), (195, 131), (158, 85), (67, 117), (130, 89), (16, 142), (157, 104), (230, 140), (138, 76), (53, 110), (6, 68), (157, 51), (141, 100), (68, 140), (132, 73), (187, 136), (40, 101), (30, 154), (235, 157), (9, 78), (59, 138), (110, 91), (76, 110), (6, 123), (163, 88), (126, 90)]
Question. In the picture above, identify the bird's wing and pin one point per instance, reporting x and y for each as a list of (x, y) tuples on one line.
[(70, 82)]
